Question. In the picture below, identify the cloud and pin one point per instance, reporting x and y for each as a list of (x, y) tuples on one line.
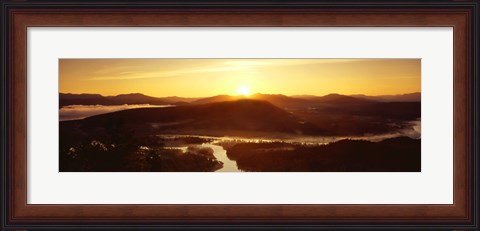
[(218, 65), (165, 74)]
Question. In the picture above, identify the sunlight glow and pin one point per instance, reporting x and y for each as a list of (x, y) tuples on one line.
[(243, 90), (196, 78)]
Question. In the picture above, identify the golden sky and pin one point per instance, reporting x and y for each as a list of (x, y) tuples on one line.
[(209, 77)]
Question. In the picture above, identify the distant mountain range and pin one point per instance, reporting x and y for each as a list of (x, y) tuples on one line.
[(410, 97), (276, 99), (134, 98)]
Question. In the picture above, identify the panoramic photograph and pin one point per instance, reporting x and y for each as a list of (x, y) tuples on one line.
[(239, 115)]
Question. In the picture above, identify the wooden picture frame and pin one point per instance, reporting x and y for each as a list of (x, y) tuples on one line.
[(17, 16)]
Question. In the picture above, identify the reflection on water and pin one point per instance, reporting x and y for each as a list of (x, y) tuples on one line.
[(413, 130), (75, 112), (221, 154)]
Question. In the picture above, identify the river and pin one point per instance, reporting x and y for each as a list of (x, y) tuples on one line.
[(413, 131), (221, 154)]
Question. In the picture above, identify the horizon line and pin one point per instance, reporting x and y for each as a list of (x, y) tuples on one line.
[(257, 93)]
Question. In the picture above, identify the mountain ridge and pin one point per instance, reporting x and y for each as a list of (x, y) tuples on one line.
[(279, 100), (239, 115)]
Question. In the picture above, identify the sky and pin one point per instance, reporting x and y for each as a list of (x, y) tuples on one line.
[(209, 77)]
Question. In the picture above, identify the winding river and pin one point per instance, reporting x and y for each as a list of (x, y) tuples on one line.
[(221, 154), (413, 131)]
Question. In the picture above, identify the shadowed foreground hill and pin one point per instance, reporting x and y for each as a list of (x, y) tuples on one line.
[(400, 154), (218, 118), (278, 100), (288, 102)]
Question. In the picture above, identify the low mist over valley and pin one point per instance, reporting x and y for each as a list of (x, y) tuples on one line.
[(240, 115), (283, 127)]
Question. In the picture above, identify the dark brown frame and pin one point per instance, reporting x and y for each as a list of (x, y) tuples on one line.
[(462, 16)]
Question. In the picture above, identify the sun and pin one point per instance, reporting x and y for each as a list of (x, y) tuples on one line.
[(243, 90)]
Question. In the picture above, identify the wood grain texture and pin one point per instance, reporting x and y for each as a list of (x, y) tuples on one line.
[(459, 213)]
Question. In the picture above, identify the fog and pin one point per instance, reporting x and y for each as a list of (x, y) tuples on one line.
[(75, 112)]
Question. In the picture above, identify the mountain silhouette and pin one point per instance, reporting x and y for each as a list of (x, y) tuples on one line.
[(77, 99), (239, 115), (410, 97), (133, 98), (218, 98), (284, 101), (337, 99), (278, 100)]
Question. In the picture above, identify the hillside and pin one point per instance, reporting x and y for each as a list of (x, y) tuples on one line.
[(221, 117), (401, 154), (288, 102), (217, 98)]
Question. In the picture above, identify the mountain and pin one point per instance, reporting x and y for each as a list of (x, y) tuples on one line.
[(175, 99), (334, 99), (133, 98), (278, 100), (337, 98), (285, 102), (282, 100), (220, 117), (88, 99), (410, 97), (218, 98)]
